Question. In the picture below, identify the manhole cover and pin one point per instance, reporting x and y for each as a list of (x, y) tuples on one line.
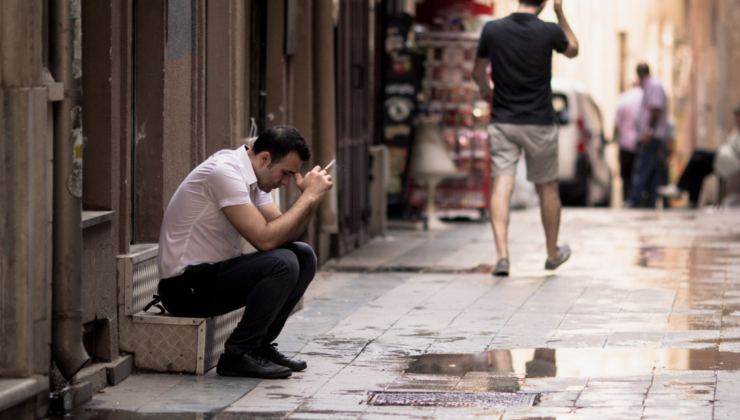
[(453, 399)]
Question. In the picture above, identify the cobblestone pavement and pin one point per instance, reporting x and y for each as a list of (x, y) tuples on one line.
[(642, 323)]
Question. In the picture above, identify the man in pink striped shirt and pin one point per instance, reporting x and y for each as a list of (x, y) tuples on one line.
[(625, 131), (652, 123)]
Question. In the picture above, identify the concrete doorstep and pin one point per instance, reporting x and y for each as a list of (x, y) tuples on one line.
[(92, 379)]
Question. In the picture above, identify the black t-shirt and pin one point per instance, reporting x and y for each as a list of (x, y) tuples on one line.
[(520, 49)]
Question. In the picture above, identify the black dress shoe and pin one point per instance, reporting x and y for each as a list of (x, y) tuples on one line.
[(249, 366), (271, 353)]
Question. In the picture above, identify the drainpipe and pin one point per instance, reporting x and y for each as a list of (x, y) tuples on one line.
[(67, 349)]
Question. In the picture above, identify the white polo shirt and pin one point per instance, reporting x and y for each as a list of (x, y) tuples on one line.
[(194, 229)]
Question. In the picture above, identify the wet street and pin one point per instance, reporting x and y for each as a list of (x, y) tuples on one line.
[(642, 323)]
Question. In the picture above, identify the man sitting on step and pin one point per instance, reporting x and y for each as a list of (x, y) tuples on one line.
[(202, 268)]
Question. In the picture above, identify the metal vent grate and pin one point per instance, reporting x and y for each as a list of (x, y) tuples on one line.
[(145, 281), (453, 399), (219, 329)]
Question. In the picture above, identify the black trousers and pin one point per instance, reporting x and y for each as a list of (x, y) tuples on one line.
[(648, 173), (267, 284), (626, 162)]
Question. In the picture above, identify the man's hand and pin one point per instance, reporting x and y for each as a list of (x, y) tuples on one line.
[(646, 137), (317, 182), (488, 95), (572, 50), (481, 78), (280, 229)]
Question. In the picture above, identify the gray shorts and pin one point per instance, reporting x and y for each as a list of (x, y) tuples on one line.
[(540, 144)]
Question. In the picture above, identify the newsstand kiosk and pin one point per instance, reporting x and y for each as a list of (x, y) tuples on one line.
[(442, 88)]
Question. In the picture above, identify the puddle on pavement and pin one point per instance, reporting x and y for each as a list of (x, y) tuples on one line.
[(479, 269), (650, 256), (372, 270), (83, 414), (571, 363)]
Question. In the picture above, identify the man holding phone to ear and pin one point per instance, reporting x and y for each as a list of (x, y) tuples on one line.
[(203, 271)]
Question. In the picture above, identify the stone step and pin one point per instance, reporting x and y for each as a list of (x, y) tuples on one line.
[(101, 375), (162, 342)]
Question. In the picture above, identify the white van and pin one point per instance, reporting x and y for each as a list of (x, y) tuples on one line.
[(585, 177)]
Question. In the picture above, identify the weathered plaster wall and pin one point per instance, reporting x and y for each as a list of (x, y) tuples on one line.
[(25, 194)]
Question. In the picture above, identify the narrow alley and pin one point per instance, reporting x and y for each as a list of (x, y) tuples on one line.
[(642, 323)]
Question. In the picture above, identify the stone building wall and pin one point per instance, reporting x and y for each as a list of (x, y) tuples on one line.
[(25, 194), (162, 85)]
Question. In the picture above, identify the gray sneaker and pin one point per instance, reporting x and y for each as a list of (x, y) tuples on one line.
[(564, 255), (502, 268)]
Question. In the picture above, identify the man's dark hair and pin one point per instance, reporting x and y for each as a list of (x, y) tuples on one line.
[(281, 140), (643, 68), (535, 3)]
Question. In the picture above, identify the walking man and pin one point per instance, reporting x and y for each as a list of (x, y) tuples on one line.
[(519, 49), (203, 271), (652, 123), (625, 130)]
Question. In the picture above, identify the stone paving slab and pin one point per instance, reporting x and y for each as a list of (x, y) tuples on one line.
[(638, 281), (135, 391), (199, 394)]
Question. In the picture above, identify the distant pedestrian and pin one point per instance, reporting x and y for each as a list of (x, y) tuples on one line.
[(519, 49), (625, 131), (203, 270), (652, 126)]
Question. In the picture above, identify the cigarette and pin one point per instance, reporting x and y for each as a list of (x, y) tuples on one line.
[(329, 165)]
